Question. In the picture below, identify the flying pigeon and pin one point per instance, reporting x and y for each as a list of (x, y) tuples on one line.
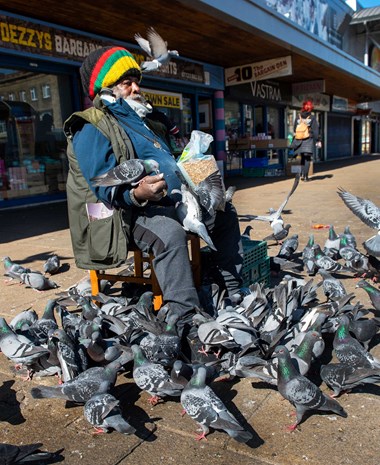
[(128, 172), (27, 453), (299, 390), (103, 412), (340, 377), (369, 213), (275, 219), (202, 404), (52, 265), (156, 48)]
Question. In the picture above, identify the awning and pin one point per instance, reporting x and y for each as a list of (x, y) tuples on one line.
[(366, 15)]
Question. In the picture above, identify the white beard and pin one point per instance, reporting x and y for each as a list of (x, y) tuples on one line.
[(140, 106)]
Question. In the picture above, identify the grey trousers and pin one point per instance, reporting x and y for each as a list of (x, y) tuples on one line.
[(156, 230)]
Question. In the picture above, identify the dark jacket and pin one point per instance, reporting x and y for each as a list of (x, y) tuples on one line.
[(306, 145)]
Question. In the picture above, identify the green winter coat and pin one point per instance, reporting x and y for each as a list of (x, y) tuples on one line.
[(102, 243)]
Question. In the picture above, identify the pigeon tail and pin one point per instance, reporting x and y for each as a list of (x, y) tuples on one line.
[(372, 245), (203, 234), (47, 392), (240, 436), (334, 406), (118, 423)]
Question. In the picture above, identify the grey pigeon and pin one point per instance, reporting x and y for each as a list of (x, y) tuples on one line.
[(331, 247), (52, 265), (326, 262), (202, 404), (288, 247), (340, 377), (349, 351), (153, 378), (364, 329), (18, 348), (354, 260), (372, 291), (86, 384), (67, 355), (348, 237), (28, 453), (128, 172), (308, 257), (369, 213), (103, 412), (23, 320), (157, 50), (300, 391), (37, 281), (332, 287), (13, 269), (279, 234)]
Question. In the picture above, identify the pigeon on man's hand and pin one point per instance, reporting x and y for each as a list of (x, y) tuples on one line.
[(369, 213), (202, 404), (130, 171), (300, 391), (156, 48)]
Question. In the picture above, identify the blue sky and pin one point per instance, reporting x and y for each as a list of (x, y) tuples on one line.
[(369, 3)]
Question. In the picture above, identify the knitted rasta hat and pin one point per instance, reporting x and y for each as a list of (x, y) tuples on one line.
[(105, 66)]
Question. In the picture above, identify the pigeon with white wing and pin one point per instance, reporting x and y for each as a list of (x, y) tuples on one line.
[(157, 48)]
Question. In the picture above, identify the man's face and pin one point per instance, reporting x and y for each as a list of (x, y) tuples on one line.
[(129, 87)]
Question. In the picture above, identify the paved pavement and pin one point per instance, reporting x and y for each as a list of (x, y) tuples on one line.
[(29, 235)]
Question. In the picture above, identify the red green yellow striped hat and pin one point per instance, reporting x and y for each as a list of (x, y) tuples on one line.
[(105, 66)]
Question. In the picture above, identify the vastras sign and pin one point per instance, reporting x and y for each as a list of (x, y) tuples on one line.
[(266, 91), (259, 71)]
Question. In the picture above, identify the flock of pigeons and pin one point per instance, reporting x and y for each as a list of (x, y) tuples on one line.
[(276, 335)]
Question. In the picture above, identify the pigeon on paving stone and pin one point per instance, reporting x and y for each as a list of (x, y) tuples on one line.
[(29, 453), (348, 237), (302, 356), (52, 265), (279, 234), (202, 404), (308, 257), (349, 351), (128, 172), (153, 378), (37, 281), (182, 372), (372, 291), (364, 329), (332, 287), (23, 321), (17, 348), (369, 213), (289, 246), (156, 48), (300, 391), (86, 384), (67, 354), (331, 247), (340, 377), (13, 269), (327, 263), (103, 412), (42, 326)]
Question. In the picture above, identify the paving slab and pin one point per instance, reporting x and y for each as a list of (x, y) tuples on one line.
[(30, 235)]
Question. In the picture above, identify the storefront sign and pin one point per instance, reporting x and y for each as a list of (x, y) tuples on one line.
[(321, 102), (163, 99), (342, 104), (308, 87), (29, 37), (266, 91), (268, 69)]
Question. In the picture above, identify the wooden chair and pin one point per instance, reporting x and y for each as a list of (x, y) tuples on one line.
[(139, 278)]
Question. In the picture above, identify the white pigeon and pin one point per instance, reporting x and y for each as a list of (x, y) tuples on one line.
[(156, 47), (274, 217)]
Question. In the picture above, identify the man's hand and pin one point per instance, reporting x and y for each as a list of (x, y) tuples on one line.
[(151, 188)]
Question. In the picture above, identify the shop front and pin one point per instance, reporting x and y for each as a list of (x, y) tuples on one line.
[(40, 88)]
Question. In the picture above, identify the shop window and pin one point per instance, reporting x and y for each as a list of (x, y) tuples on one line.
[(46, 91), (33, 94), (22, 95)]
